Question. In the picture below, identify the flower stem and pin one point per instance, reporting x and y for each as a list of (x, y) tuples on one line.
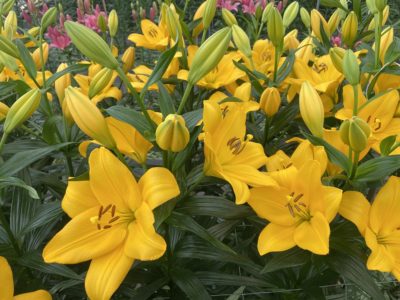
[(3, 141), (184, 98), (378, 32), (355, 105), (276, 60), (354, 165)]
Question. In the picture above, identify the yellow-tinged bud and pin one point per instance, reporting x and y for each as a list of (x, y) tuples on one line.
[(228, 17), (312, 109), (100, 81), (351, 69), (275, 28), (337, 55), (48, 18), (355, 133), (385, 16), (3, 111), (101, 23), (8, 47), (305, 17), (290, 13), (22, 109), (241, 40), (8, 61), (173, 24), (290, 40), (380, 4), (386, 41), (37, 57), (318, 21), (270, 101), (11, 24), (88, 117), (209, 13), (172, 134), (113, 23), (371, 4), (334, 20), (62, 83), (198, 15), (91, 44), (266, 12), (209, 54), (34, 31), (349, 29), (128, 59), (7, 6)]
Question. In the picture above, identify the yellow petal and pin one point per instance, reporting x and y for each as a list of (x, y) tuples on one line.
[(380, 259), (6, 279), (355, 208), (332, 199), (313, 235), (251, 155), (305, 151), (249, 175), (240, 189), (271, 204), (385, 210), (106, 274), (143, 242), (158, 185), (274, 238), (80, 240), (37, 295), (78, 198), (112, 182)]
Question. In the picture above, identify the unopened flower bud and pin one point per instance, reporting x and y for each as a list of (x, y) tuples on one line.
[(37, 57), (351, 69), (7, 6), (22, 109), (91, 44), (355, 133), (209, 54), (172, 134), (266, 12), (48, 18), (228, 17), (336, 54), (318, 21), (305, 17), (88, 117), (311, 109), (113, 23), (101, 23), (290, 13), (173, 24), (11, 24), (241, 40), (349, 29), (128, 59), (380, 4), (209, 13), (275, 28), (270, 101), (371, 4), (334, 20), (3, 111), (100, 81)]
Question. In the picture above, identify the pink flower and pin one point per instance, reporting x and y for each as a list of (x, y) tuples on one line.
[(57, 38), (228, 4), (26, 17), (336, 41), (280, 6), (90, 20), (248, 7)]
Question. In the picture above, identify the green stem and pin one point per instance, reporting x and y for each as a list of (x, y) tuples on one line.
[(354, 165), (276, 61), (378, 33), (3, 141), (355, 104), (203, 36), (10, 234), (139, 100), (184, 98), (185, 8), (259, 31)]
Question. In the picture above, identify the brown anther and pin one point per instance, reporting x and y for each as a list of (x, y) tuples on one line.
[(113, 219), (107, 226), (290, 210), (100, 212), (113, 211), (368, 119), (287, 166), (302, 204), (98, 226), (298, 197), (297, 208), (236, 145), (225, 110), (106, 209)]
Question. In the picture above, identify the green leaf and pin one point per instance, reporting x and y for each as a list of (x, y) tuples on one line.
[(186, 223), (214, 207), (162, 65), (44, 214), (386, 145), (13, 181), (165, 100), (393, 52), (184, 155), (237, 294), (213, 278), (287, 259), (333, 4), (26, 59), (77, 68), (377, 168), (192, 118), (148, 290), (354, 270), (23, 159), (286, 67), (189, 284), (132, 117), (335, 156)]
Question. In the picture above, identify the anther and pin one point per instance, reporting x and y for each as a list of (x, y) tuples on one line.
[(113, 219), (107, 226), (113, 211)]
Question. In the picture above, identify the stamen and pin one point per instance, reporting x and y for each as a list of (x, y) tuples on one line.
[(290, 210), (298, 197), (107, 208), (113, 211), (100, 212), (107, 226), (113, 219)]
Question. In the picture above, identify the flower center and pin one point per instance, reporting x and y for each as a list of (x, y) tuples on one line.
[(153, 33), (322, 67), (108, 216), (236, 145), (297, 207)]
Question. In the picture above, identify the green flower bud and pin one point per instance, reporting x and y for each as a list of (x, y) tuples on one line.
[(48, 18), (372, 6), (172, 134), (241, 40), (351, 69), (209, 13), (228, 17), (266, 12), (290, 13), (209, 54), (349, 29), (7, 6), (22, 109), (275, 28), (102, 24), (337, 55), (113, 23), (11, 24), (305, 17), (380, 4), (173, 24), (91, 44), (100, 81), (355, 133)]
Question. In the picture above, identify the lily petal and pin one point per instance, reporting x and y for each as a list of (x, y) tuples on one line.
[(37, 295), (313, 235), (6, 279), (78, 198), (274, 238), (106, 274), (355, 208), (80, 240)]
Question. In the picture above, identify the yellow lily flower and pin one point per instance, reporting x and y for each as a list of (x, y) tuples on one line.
[(299, 211), (109, 90), (154, 37), (386, 41), (223, 75), (386, 82), (305, 50), (263, 55), (378, 223), (229, 154), (112, 222), (378, 113), (129, 141), (7, 286)]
